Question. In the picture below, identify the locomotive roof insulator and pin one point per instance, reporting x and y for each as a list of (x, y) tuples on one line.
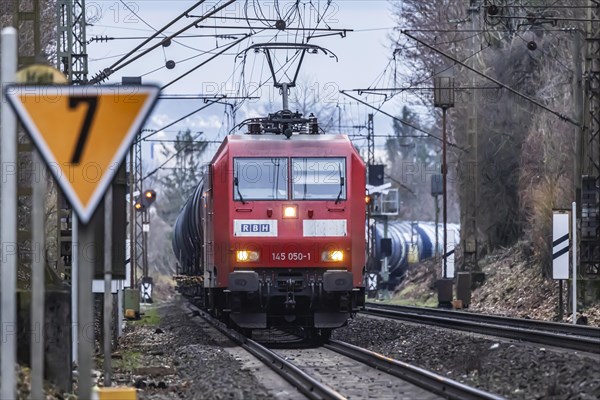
[(284, 122), (313, 124), (280, 24), (254, 128)]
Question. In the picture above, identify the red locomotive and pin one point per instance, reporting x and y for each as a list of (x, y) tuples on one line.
[(277, 227)]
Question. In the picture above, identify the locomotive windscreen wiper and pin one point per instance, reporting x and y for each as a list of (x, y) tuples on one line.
[(237, 186), (337, 200)]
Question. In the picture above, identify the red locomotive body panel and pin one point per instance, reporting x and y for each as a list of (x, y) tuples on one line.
[(310, 262)]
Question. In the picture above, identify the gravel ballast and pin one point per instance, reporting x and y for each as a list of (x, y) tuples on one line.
[(511, 369), (171, 357)]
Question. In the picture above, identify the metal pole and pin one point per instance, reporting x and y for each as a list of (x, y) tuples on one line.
[(437, 217), (120, 309), (578, 100), (145, 227), (445, 192), (87, 255), (131, 218), (560, 300), (37, 281), (74, 285), (339, 119), (469, 224), (108, 302), (284, 95), (139, 175), (574, 244), (8, 229)]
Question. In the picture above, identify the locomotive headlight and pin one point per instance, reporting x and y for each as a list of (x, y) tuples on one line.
[(246, 256), (333, 256), (290, 211)]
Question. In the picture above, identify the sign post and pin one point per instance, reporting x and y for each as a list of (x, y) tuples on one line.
[(83, 134), (574, 218), (36, 74), (108, 309), (560, 251), (85, 332), (8, 227)]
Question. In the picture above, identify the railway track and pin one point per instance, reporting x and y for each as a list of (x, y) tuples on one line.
[(338, 370), (575, 337)]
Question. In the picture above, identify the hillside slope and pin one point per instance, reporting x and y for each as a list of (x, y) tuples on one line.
[(513, 287)]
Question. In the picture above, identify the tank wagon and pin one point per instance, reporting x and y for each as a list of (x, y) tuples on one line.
[(275, 231), (411, 242)]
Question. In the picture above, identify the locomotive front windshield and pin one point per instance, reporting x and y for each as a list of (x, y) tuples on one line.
[(318, 178), (311, 178), (260, 179)]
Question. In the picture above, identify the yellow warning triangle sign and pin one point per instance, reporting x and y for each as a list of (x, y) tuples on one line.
[(83, 133)]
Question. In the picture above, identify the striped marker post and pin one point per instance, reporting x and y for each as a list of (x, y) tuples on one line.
[(560, 252), (560, 244)]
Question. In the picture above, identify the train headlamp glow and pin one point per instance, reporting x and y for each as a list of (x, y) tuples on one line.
[(246, 256), (290, 212), (333, 256)]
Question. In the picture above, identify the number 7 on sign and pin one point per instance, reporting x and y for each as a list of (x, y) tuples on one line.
[(92, 102)]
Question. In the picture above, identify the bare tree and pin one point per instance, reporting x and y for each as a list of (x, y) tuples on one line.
[(525, 154)]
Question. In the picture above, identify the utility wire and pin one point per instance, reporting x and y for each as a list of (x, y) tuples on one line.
[(497, 82), (427, 134), (154, 29), (103, 75), (206, 61), (154, 35), (210, 103), (193, 141)]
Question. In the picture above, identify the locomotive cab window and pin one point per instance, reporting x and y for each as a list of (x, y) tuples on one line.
[(260, 179), (319, 179)]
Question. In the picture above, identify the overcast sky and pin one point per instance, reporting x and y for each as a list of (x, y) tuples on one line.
[(363, 56)]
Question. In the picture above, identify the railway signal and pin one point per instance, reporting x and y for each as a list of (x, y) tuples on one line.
[(149, 197), (143, 202)]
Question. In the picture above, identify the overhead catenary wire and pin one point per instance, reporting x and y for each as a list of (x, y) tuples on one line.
[(426, 134), (104, 74), (497, 82), (155, 34), (206, 61), (192, 142), (153, 28), (210, 103)]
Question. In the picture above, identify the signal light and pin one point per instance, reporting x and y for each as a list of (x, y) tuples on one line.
[(150, 196), (368, 199), (145, 201)]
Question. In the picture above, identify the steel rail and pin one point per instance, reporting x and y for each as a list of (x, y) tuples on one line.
[(425, 379), (307, 385), (557, 327), (511, 328), (314, 389)]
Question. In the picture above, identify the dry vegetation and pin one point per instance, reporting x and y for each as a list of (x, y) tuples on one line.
[(27, 173), (514, 287), (526, 154)]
